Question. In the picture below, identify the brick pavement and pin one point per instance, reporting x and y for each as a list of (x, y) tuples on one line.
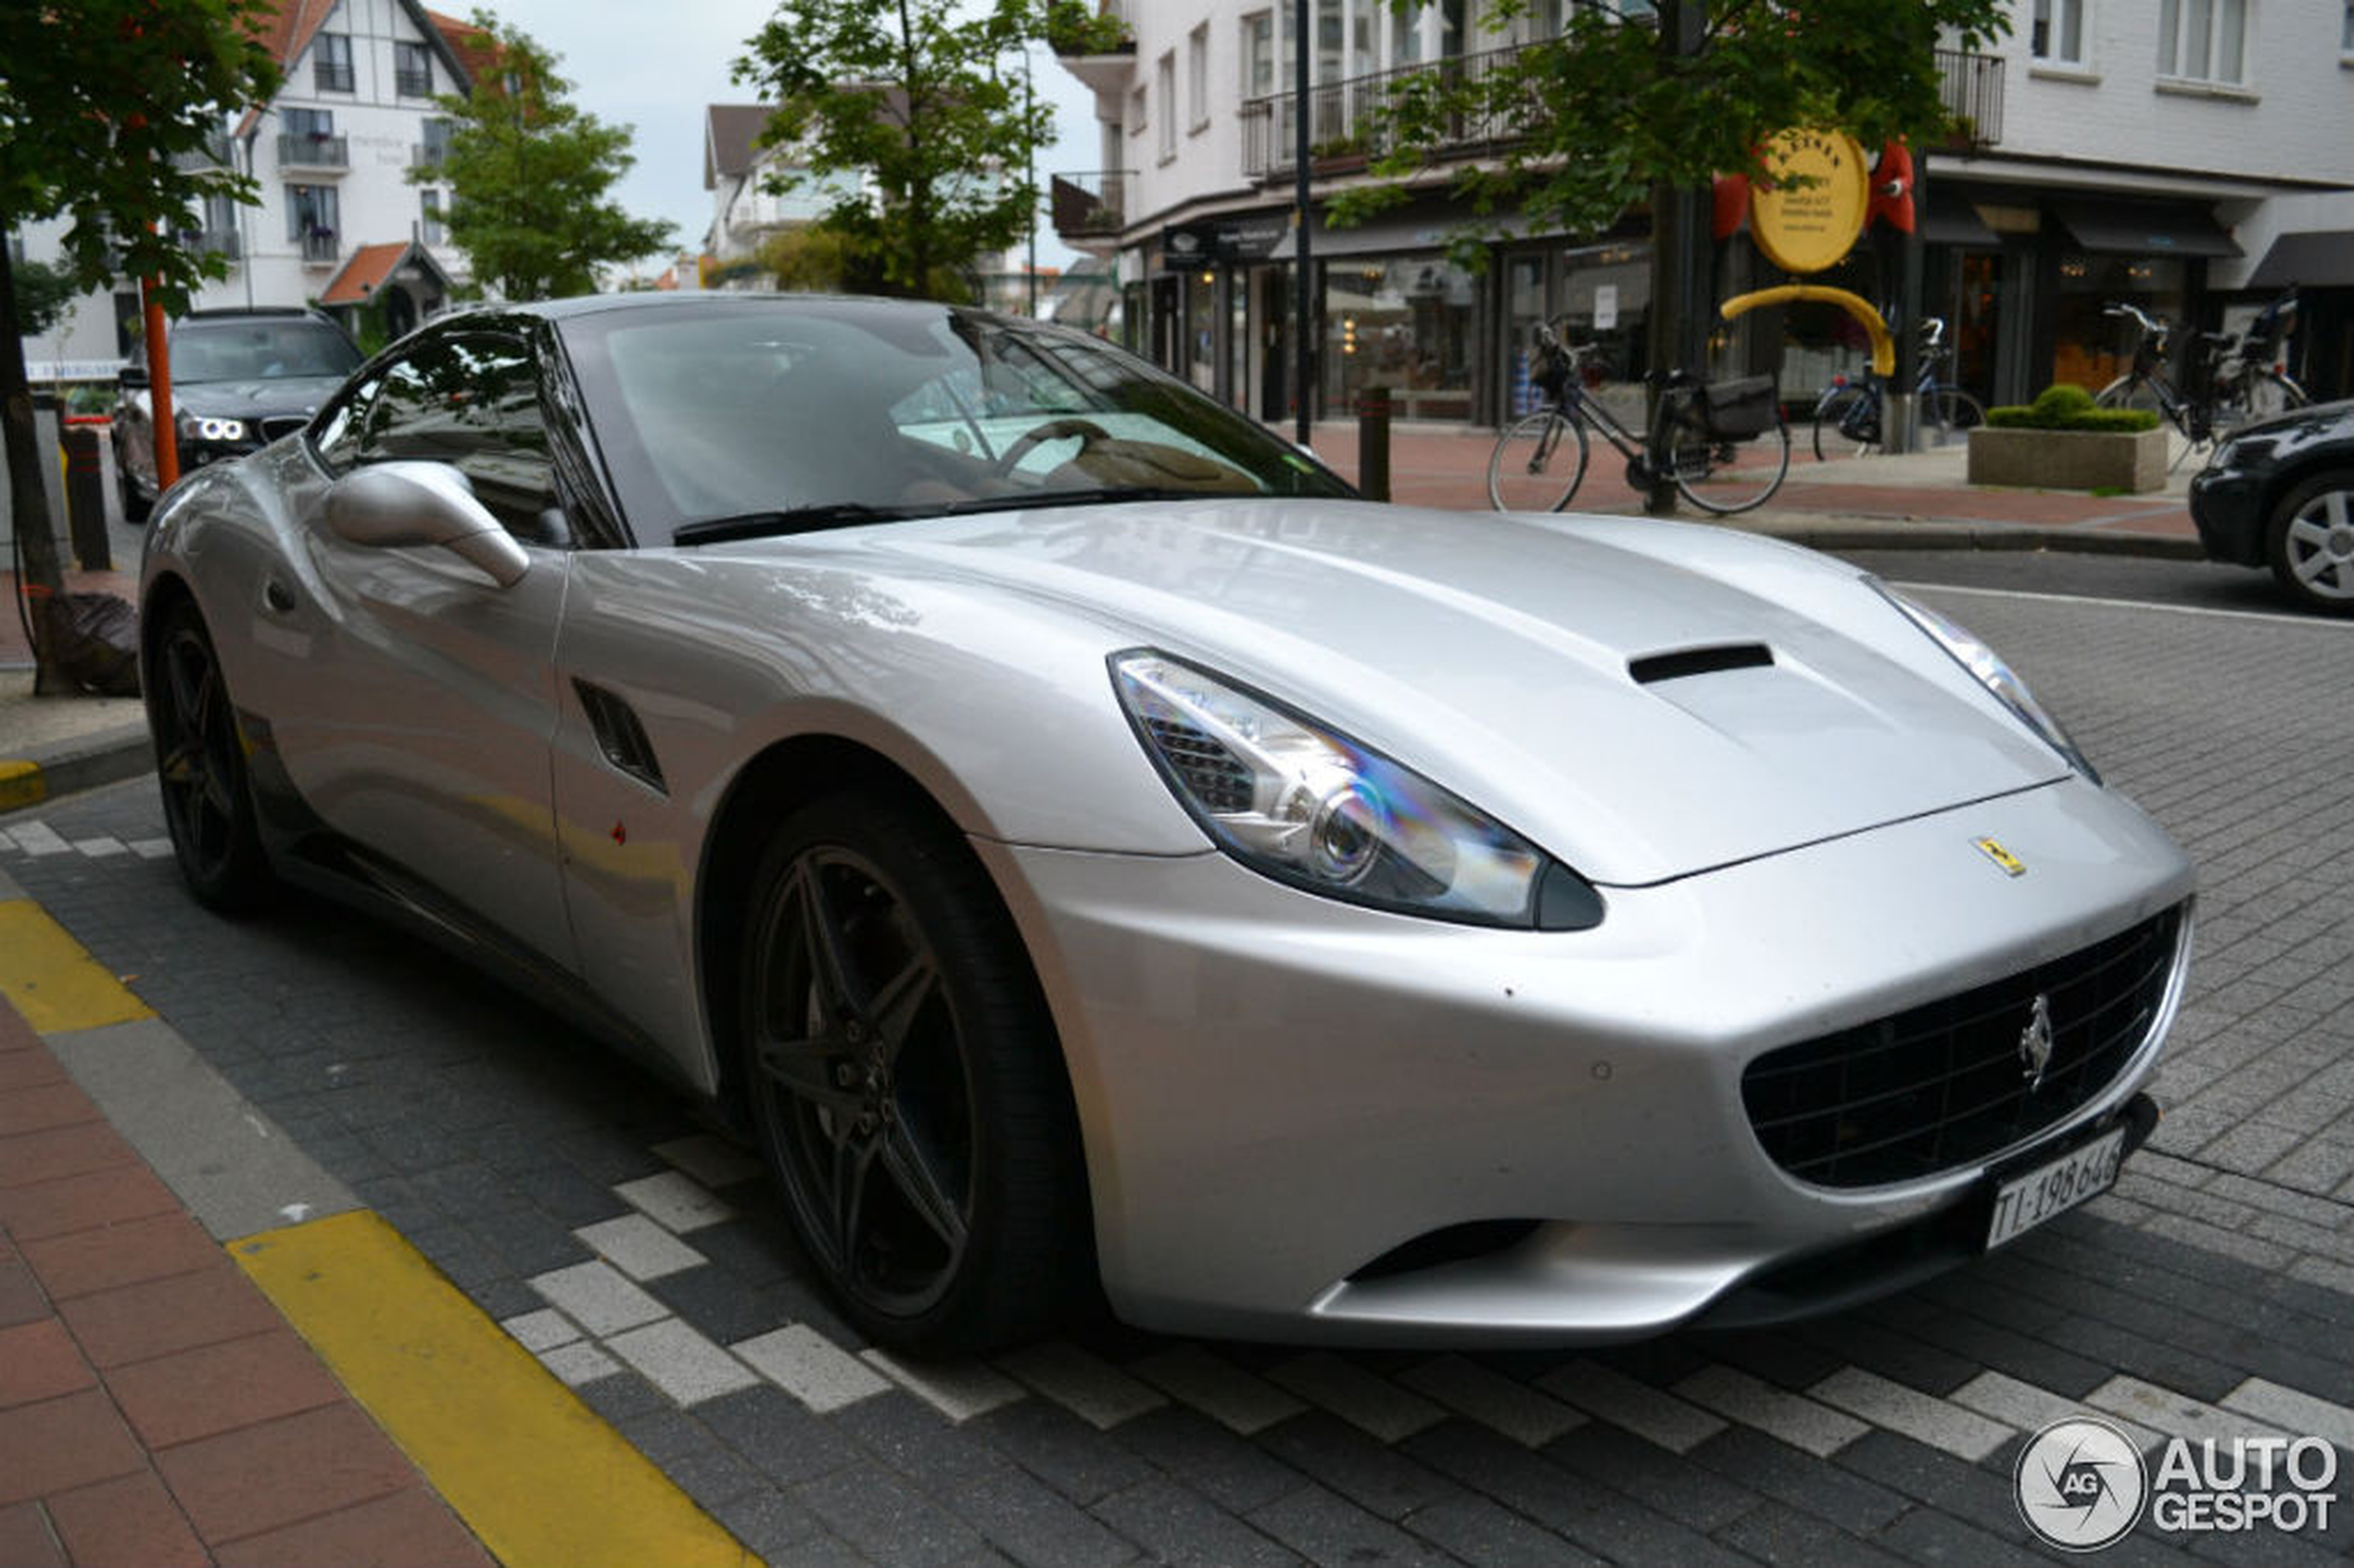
[(580, 1206), (155, 1408)]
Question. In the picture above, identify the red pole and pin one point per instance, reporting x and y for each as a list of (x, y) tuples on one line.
[(166, 434)]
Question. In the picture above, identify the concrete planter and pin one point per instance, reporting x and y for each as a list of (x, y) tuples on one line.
[(2069, 460)]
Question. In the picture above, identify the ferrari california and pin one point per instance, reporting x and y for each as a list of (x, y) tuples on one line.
[(1096, 856)]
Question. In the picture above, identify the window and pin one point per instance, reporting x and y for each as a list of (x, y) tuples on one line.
[(1258, 55), (2203, 40), (311, 217), (1165, 84), (330, 62), (472, 402), (317, 124), (1198, 77), (2057, 34), (431, 231), (412, 70)]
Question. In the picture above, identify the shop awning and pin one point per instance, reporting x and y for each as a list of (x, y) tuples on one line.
[(1952, 218), (1412, 229), (2317, 258), (2124, 229)]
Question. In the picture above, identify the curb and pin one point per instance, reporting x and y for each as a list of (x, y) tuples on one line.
[(65, 767)]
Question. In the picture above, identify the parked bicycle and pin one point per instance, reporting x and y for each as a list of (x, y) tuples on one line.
[(1721, 444), (2227, 381), (1847, 416)]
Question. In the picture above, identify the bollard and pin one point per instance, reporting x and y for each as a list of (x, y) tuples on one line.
[(86, 499), (1373, 443)]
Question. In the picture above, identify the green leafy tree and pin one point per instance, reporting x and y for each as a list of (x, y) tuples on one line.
[(43, 294), (911, 98), (1602, 115), (529, 175), (98, 100)]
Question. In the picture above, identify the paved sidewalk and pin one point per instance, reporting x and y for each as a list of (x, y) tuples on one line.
[(154, 1407)]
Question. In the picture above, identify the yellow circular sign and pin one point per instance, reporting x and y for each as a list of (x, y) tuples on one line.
[(1805, 227)]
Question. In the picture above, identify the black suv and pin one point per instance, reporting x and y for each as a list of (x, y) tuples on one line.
[(240, 379)]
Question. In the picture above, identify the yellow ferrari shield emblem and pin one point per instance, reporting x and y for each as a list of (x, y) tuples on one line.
[(1992, 849)]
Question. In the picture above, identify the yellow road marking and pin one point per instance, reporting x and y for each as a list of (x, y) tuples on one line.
[(52, 981), (21, 785), (536, 1474)]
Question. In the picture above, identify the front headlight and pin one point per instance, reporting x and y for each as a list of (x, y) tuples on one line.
[(1305, 805), (205, 428), (1993, 674)]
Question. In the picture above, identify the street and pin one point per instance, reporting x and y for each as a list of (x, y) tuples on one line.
[(2210, 1293)]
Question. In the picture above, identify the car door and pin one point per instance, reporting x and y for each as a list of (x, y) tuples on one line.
[(420, 727)]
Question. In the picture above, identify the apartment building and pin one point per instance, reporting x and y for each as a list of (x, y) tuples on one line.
[(2190, 156), (338, 225)]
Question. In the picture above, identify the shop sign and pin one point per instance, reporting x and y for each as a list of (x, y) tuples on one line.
[(1805, 228), (1222, 239)]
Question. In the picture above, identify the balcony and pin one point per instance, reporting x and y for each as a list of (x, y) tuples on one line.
[(217, 242), (299, 150), (214, 154), (427, 154), (319, 248), (1089, 209), (331, 76), (413, 84), (1970, 86), (1104, 68), (1344, 128)]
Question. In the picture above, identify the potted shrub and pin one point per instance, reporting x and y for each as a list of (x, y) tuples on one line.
[(2063, 441)]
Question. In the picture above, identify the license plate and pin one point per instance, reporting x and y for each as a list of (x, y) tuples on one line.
[(2076, 1177)]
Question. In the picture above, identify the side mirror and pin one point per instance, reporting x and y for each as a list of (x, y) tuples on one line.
[(133, 376), (391, 505)]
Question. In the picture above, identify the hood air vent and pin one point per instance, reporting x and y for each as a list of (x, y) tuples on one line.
[(620, 735), (1654, 667)]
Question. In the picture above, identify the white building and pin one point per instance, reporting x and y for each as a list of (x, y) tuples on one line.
[(338, 224), (2192, 156)]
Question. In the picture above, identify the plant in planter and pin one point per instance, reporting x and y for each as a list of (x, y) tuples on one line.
[(2062, 441)]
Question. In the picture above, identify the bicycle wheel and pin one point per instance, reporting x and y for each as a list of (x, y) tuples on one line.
[(1847, 422), (1537, 463), (1947, 415), (2260, 396), (1725, 477), (2132, 392)]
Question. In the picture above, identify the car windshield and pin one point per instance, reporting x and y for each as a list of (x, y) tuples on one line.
[(259, 352), (736, 419)]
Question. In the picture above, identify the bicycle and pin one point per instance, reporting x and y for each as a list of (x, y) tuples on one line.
[(1847, 416), (1723, 445), (2226, 382)]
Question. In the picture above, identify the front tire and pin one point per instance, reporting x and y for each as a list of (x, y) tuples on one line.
[(906, 1083), (200, 762), (1538, 462), (2311, 543), (1948, 415), (1847, 423)]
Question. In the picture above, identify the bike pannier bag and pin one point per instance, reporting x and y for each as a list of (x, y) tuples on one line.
[(1738, 409)]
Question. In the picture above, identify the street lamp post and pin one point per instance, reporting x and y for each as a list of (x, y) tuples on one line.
[(1303, 219)]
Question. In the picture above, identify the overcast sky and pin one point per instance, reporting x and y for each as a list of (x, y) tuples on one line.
[(656, 67)]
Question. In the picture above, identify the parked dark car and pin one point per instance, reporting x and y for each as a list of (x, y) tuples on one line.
[(240, 379), (2280, 493)]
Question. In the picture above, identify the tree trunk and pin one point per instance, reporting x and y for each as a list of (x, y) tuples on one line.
[(36, 545)]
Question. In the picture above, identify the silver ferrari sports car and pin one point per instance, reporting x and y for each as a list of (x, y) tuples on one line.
[(1083, 844)]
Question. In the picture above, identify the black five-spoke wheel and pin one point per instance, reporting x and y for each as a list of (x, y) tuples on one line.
[(903, 1079), (200, 762)]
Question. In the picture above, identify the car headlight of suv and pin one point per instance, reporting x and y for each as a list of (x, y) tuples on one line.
[(1993, 674), (206, 427), (1303, 804)]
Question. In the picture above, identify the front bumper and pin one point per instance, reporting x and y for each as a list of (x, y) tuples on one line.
[(1278, 1090), (2227, 509)]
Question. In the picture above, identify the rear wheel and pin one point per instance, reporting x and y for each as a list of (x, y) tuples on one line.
[(1948, 415), (1725, 477), (1538, 465), (906, 1083), (1847, 423), (2260, 396), (2311, 543), (200, 762)]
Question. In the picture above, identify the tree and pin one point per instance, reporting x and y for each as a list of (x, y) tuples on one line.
[(528, 174), (1601, 115), (906, 96), (44, 294), (98, 100)]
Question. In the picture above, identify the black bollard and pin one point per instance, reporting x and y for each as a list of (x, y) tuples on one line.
[(86, 499), (1373, 443)]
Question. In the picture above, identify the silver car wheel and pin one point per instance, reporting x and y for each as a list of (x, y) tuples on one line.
[(2312, 543)]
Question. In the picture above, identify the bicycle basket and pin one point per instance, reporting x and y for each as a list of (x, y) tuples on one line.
[(1551, 376), (1738, 409)]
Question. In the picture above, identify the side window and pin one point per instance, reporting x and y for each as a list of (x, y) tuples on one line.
[(471, 401)]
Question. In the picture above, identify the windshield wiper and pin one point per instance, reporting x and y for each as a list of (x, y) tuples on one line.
[(1082, 498), (790, 520)]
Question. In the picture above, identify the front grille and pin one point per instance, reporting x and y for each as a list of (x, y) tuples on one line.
[(1945, 1084)]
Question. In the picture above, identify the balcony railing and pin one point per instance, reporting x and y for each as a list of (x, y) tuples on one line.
[(331, 76), (427, 154), (1344, 126), (220, 242), (319, 244), (413, 84), (301, 150), (1971, 88), (1090, 205), (214, 154)]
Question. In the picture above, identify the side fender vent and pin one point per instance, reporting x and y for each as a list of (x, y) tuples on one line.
[(620, 735), (1686, 662)]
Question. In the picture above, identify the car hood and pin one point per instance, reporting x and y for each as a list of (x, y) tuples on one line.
[(1645, 700), (271, 398)]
